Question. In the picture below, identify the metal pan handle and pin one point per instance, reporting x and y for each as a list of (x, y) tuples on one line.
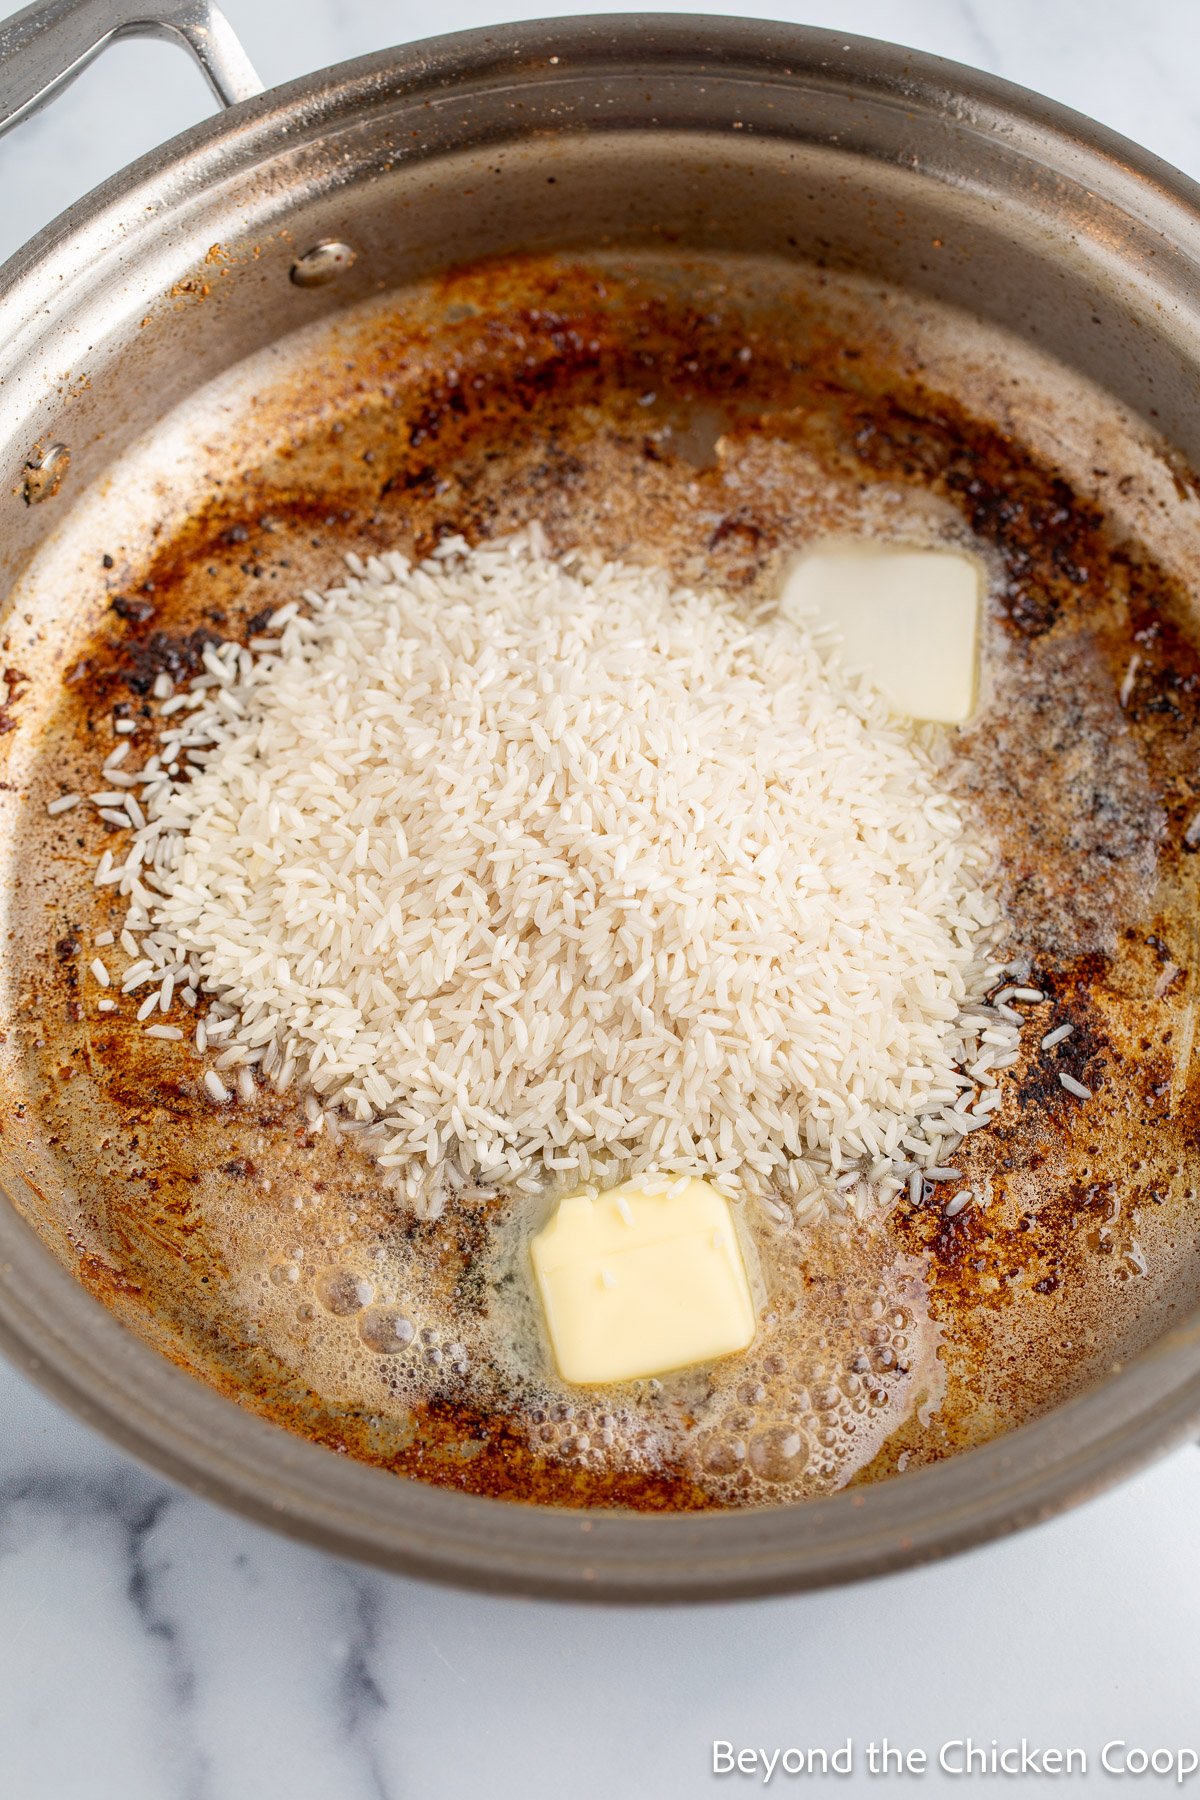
[(50, 43)]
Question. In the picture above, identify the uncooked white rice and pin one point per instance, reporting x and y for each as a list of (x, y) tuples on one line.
[(541, 867), (1075, 1087), (216, 1087)]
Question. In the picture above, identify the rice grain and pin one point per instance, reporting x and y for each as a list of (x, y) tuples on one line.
[(545, 868)]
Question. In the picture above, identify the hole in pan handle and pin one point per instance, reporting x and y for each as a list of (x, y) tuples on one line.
[(50, 43)]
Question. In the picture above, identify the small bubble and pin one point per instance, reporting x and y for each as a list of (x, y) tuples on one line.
[(752, 1393), (386, 1330), (284, 1272), (724, 1456), (341, 1291), (780, 1453)]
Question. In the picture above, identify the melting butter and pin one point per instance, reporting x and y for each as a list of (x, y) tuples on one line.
[(636, 1282), (909, 619)]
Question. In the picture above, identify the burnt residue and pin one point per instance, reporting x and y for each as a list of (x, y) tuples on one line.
[(1085, 1055), (486, 1453), (134, 609), (1072, 1191), (1073, 797), (16, 686), (140, 661)]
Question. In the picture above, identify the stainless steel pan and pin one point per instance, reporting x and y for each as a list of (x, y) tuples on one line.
[(738, 136)]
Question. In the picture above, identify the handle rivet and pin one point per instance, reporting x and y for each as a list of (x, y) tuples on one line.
[(43, 474), (326, 261)]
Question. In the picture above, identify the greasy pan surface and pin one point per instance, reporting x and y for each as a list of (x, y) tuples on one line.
[(713, 413)]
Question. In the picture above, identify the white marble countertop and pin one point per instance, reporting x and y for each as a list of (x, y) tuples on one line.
[(153, 1648)]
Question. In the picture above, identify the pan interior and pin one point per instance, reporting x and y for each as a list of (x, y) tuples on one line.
[(711, 415)]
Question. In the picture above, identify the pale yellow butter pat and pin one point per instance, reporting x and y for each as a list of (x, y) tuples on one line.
[(636, 1284), (909, 619)]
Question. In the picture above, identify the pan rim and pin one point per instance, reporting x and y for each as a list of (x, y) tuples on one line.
[(1061, 138), (74, 1348)]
